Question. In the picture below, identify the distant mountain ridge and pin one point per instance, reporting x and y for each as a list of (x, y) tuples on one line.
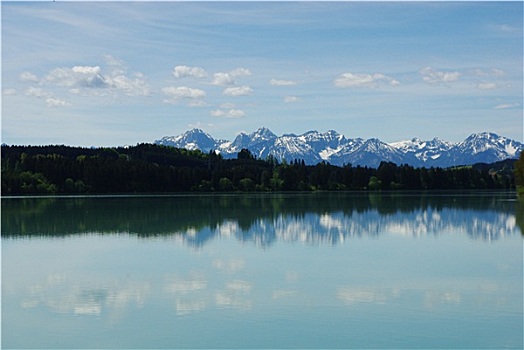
[(314, 147)]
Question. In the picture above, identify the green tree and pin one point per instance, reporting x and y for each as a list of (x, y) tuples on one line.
[(386, 174), (374, 183), (245, 154), (276, 182), (36, 183), (246, 185), (224, 184)]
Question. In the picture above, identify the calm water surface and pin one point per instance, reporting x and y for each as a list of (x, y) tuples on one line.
[(263, 271)]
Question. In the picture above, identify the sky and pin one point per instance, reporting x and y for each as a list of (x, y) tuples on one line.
[(122, 73)]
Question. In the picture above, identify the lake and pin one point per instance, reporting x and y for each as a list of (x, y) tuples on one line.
[(312, 270)]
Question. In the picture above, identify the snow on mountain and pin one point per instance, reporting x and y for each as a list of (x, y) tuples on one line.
[(330, 139), (426, 152), (191, 140), (485, 147), (368, 153), (291, 147), (257, 142), (314, 147)]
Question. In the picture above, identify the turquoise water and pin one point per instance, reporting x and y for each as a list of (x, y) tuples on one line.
[(263, 271)]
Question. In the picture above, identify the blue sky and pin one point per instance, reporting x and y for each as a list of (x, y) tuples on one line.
[(114, 73)]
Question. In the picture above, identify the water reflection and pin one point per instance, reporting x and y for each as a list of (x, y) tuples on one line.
[(265, 219), (67, 295), (153, 272)]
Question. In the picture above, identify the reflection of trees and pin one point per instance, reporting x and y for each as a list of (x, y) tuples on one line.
[(519, 213), (313, 217)]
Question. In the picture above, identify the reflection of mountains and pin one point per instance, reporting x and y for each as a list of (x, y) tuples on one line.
[(264, 219)]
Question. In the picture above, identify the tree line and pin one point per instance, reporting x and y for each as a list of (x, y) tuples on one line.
[(149, 168), (519, 175)]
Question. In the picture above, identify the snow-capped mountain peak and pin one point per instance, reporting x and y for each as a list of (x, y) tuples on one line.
[(484, 141), (192, 139), (314, 147), (426, 152), (263, 134), (487, 147)]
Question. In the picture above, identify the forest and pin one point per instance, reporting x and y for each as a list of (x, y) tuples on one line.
[(149, 168)]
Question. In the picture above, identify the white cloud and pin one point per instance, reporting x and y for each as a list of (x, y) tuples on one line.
[(80, 78), (492, 72), (394, 82), (55, 102), (133, 87), (240, 72), (290, 99), (218, 113), (479, 73), (232, 113), (61, 77), (116, 65), (37, 92), (49, 99), (179, 93), (281, 82), (498, 72), (112, 61), (89, 77), (236, 113), (28, 76), (506, 106), (86, 70), (196, 103), (185, 71), (431, 76), (8, 92), (364, 80), (487, 86), (223, 79), (238, 91), (228, 78)]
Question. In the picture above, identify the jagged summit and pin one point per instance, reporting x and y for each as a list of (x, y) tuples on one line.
[(485, 141), (314, 147), (487, 147), (191, 139), (264, 133), (426, 152)]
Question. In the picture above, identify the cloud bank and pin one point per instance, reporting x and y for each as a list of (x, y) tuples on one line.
[(348, 80), (432, 76), (185, 71)]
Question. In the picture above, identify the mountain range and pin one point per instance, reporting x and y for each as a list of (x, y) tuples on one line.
[(314, 147)]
